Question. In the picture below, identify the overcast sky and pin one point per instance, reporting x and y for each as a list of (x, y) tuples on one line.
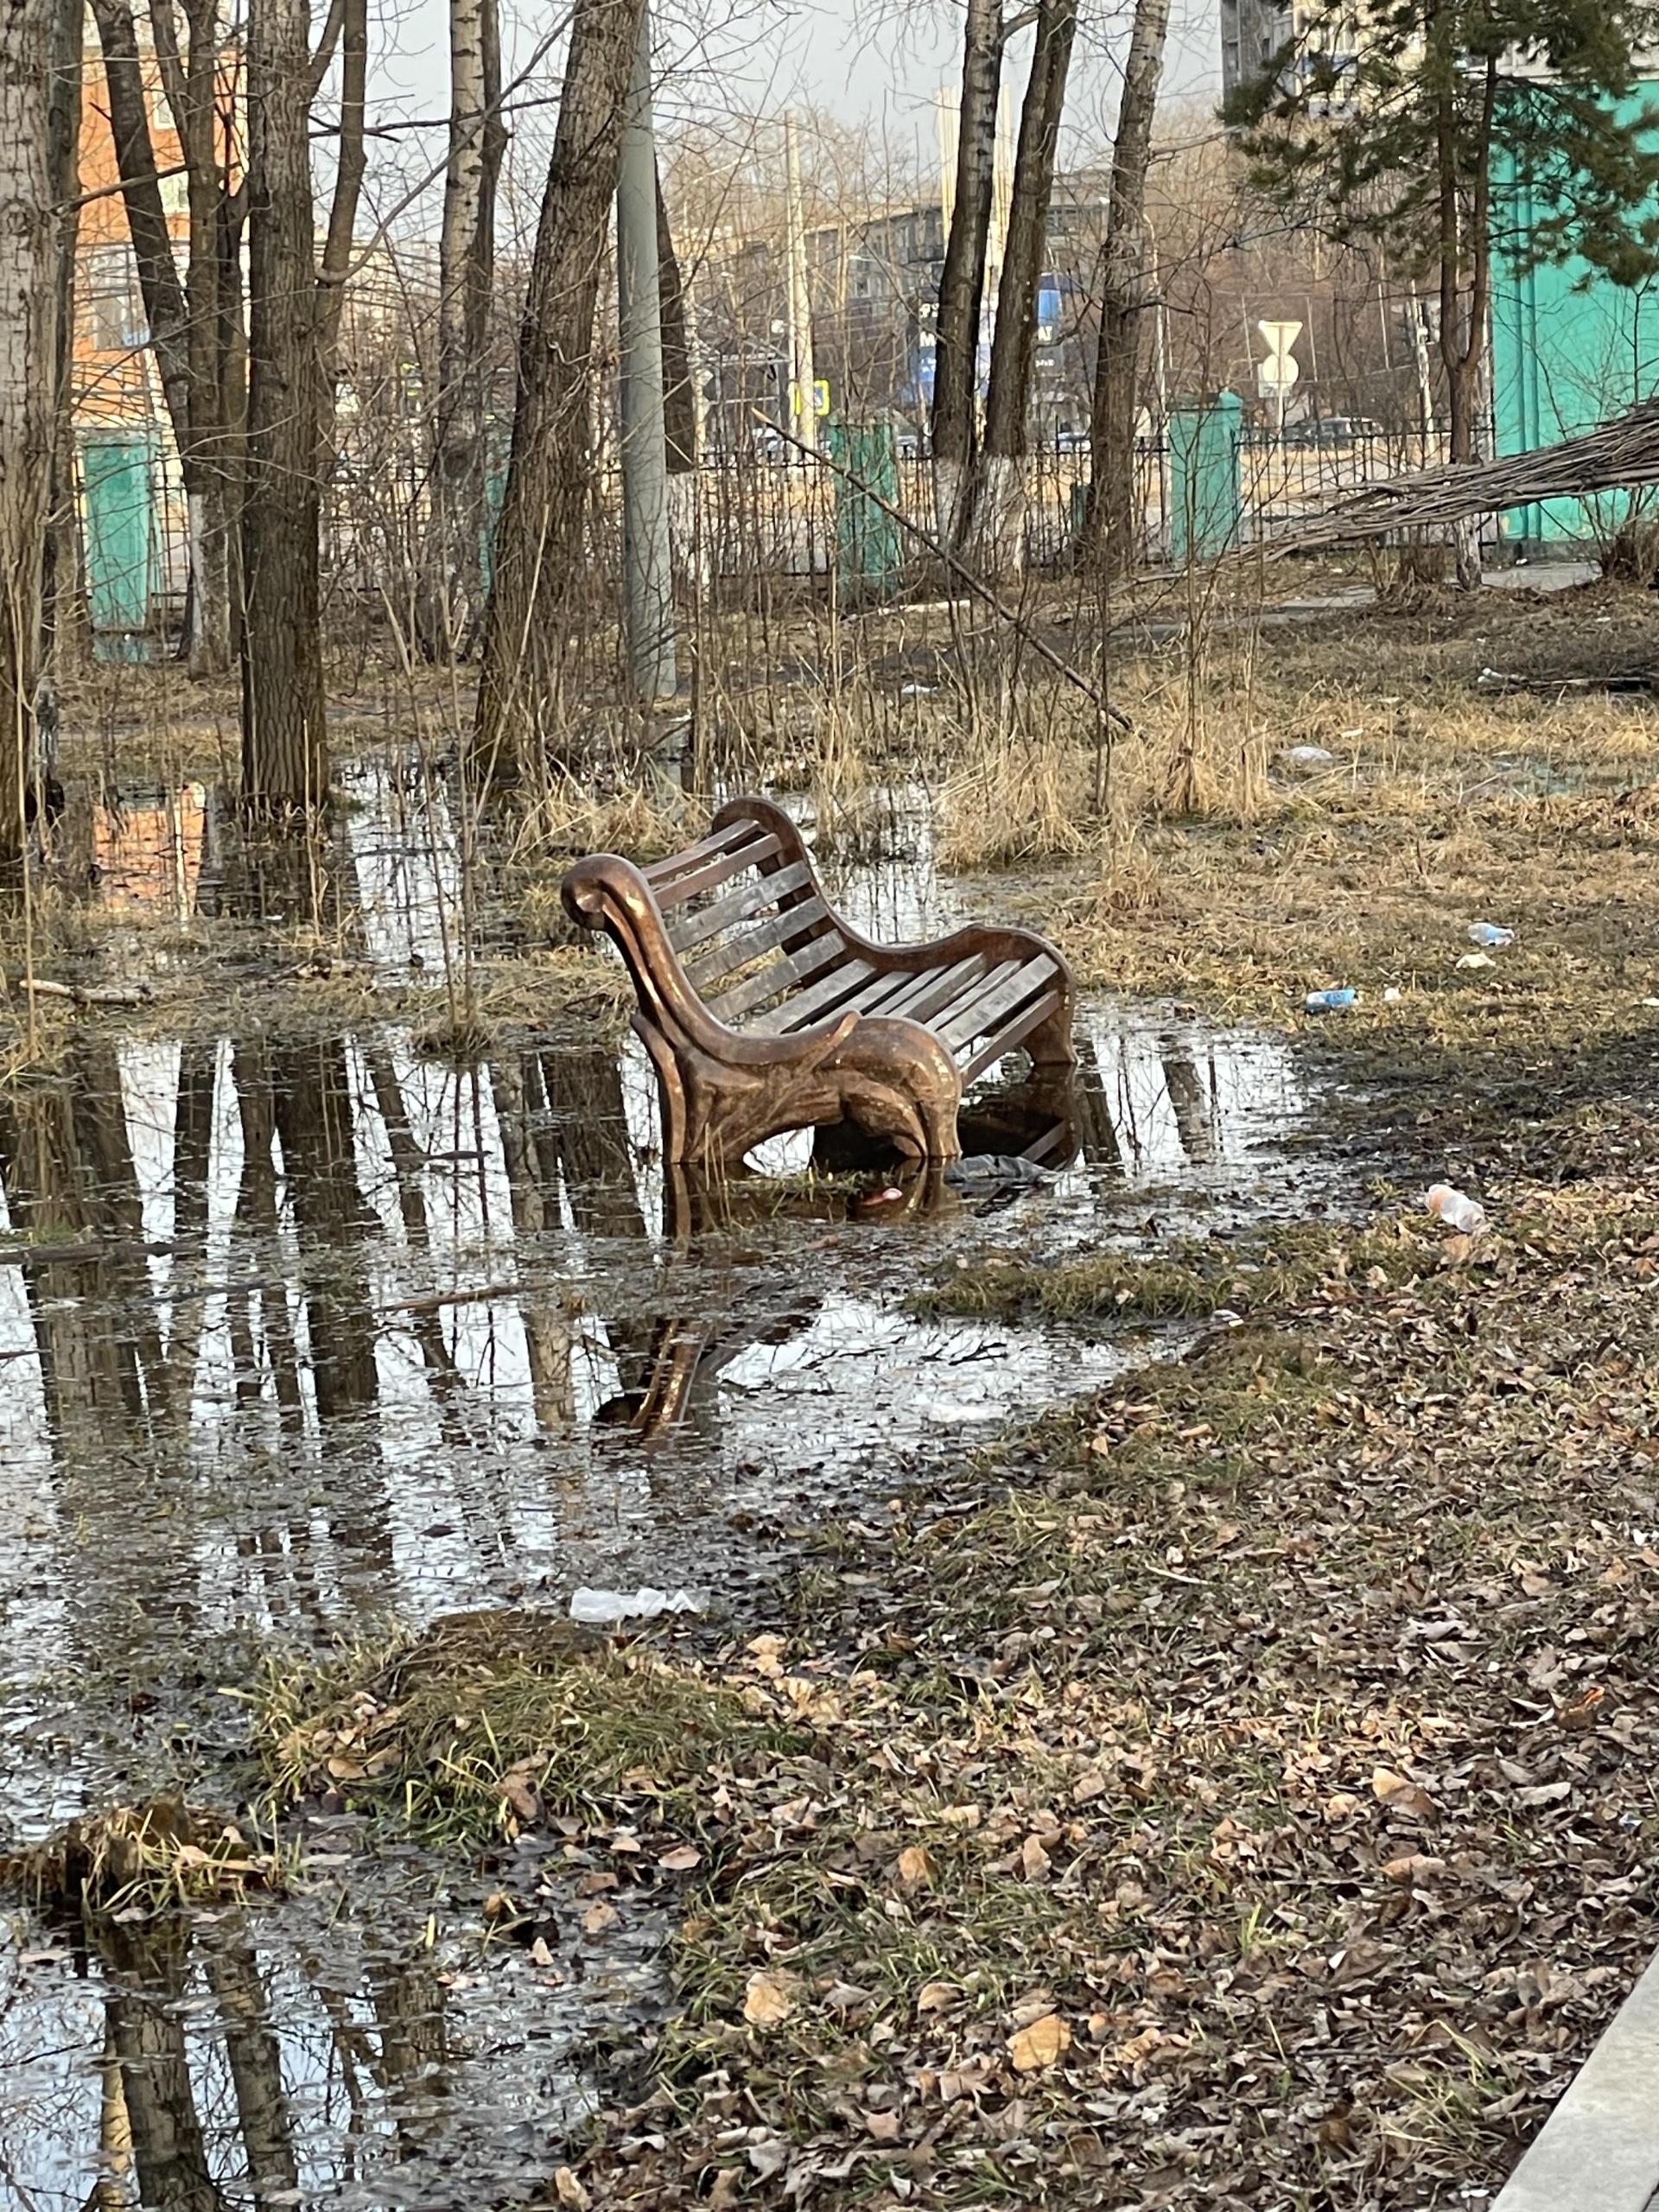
[(876, 61)]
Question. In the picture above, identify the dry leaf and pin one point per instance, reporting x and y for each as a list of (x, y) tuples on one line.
[(724, 2194), (1034, 1861), (599, 1917), (1402, 1794), (681, 1859), (937, 1996), (1040, 2045), (1341, 1807), (1413, 1866), (1583, 1711), (767, 2002), (570, 2191), (915, 1867), (521, 1800), (846, 1996), (346, 1770), (883, 2126), (539, 1954)]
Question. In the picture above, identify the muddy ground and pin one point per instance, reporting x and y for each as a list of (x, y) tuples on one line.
[(1205, 1760)]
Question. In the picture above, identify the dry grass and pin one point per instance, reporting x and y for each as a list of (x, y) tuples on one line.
[(139, 1859)]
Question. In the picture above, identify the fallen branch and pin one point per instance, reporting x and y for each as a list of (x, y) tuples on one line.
[(959, 568), (41, 986)]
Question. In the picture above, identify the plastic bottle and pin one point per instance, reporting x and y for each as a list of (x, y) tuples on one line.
[(1488, 934), (1466, 1215), (1329, 1001)]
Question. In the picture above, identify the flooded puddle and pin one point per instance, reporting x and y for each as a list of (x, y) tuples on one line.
[(304, 1336), (313, 2053)]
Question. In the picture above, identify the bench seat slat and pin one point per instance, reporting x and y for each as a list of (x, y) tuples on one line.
[(936, 987), (717, 871), (874, 987), (742, 906), (965, 1000), (815, 1003), (718, 841), (1013, 1032), (1011, 983), (782, 975), (811, 918)]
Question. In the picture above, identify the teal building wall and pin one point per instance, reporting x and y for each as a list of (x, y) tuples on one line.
[(1566, 354)]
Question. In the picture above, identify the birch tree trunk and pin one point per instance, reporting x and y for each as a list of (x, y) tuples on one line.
[(535, 599), (999, 500), (1113, 525), (28, 382), (284, 746), (962, 281), (452, 599)]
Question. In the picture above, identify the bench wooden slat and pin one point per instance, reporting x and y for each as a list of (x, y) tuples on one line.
[(720, 840), (936, 987), (742, 906), (966, 997), (873, 987), (807, 921), (810, 1005), (717, 871), (1014, 1033), (782, 975), (1018, 979)]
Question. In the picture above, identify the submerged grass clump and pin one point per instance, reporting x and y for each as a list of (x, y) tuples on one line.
[(492, 1723), (144, 1859)]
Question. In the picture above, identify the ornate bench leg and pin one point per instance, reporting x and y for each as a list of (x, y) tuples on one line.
[(1050, 1043)]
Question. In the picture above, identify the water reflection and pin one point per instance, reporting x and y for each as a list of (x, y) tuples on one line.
[(362, 2051), (295, 1328)]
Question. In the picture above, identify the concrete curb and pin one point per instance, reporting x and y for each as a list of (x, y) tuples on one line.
[(1599, 2151)]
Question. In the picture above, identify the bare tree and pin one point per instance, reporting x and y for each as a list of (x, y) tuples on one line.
[(294, 316), (28, 381), (451, 607), (679, 395), (962, 281), (61, 598), (195, 319), (539, 538), (999, 495), (1123, 297)]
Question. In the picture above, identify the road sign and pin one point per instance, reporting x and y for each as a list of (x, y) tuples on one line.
[(1277, 377)]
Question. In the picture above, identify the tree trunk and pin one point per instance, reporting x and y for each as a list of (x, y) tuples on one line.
[(534, 603), (28, 240), (63, 628), (962, 281), (186, 317), (1113, 525), (999, 518), (350, 160), (285, 748), (679, 402), (452, 593)]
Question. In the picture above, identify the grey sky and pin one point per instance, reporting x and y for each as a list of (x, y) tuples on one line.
[(874, 61)]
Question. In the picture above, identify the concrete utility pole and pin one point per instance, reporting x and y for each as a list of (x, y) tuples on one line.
[(801, 415), (647, 562)]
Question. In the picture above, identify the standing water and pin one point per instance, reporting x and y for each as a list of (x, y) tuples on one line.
[(303, 1333)]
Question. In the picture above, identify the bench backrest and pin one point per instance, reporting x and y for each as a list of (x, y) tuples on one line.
[(744, 911)]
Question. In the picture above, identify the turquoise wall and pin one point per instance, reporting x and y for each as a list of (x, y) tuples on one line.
[(1563, 360)]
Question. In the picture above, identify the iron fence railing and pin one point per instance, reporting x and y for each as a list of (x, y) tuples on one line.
[(753, 516)]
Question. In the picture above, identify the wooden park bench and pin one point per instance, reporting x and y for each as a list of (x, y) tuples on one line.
[(764, 1010)]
